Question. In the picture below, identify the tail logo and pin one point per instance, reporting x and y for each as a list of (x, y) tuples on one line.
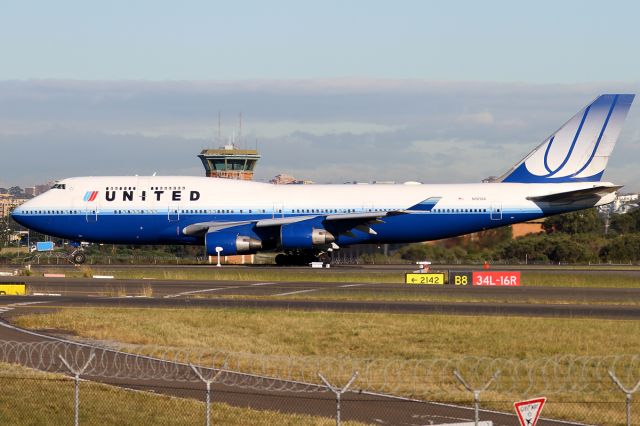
[(90, 196), (580, 149)]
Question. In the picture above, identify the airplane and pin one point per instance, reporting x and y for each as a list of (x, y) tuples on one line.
[(305, 222)]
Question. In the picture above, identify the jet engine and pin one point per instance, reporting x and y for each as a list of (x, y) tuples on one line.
[(304, 236), (231, 243)]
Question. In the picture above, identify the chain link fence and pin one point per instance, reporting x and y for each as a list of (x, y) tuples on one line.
[(67, 382)]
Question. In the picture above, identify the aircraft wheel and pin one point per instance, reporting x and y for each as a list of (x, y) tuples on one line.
[(325, 258), (295, 259), (79, 258)]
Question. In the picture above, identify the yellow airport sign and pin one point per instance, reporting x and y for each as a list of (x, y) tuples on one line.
[(425, 278), (13, 289)]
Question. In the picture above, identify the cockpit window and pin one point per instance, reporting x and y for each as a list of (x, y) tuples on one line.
[(59, 186)]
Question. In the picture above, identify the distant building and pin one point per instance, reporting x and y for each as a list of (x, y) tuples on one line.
[(526, 228), (624, 203), (284, 179), (7, 203), (627, 198), (30, 191), (41, 189)]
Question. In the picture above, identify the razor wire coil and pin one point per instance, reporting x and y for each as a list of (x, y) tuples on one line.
[(566, 374)]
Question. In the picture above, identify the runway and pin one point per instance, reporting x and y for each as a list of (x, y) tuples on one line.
[(614, 303), (624, 270)]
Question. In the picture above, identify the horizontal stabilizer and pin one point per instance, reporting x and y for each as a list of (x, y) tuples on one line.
[(578, 195)]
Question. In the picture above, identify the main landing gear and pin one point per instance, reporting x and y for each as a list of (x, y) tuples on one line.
[(302, 258)]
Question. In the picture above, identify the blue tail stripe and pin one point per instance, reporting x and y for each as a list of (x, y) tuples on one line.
[(604, 127), (546, 154), (573, 144)]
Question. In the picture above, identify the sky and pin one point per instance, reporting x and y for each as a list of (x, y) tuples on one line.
[(331, 91)]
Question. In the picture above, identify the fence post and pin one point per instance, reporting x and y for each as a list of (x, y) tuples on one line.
[(76, 373), (338, 392), (208, 383), (628, 392), (476, 392)]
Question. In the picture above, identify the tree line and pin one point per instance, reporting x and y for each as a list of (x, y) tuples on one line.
[(578, 237)]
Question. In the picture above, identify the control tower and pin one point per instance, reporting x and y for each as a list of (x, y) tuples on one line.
[(229, 162)]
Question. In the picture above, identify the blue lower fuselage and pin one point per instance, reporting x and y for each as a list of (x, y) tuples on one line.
[(167, 229)]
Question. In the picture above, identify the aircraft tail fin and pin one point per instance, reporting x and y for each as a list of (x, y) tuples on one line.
[(580, 149)]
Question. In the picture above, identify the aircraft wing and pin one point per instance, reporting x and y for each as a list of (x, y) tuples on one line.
[(345, 221), (204, 227), (357, 220), (577, 195)]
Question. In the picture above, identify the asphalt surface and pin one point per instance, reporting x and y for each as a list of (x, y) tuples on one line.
[(549, 301), (52, 293), (628, 270)]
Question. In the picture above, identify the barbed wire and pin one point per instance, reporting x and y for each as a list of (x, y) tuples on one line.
[(565, 374)]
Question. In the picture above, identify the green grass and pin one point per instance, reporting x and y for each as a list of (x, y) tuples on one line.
[(297, 344), (372, 295), (561, 278), (30, 397), (580, 279), (235, 274), (365, 335)]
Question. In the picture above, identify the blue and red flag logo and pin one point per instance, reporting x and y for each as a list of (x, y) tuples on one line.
[(90, 195)]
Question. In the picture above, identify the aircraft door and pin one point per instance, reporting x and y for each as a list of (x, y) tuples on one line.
[(496, 211), (173, 215), (91, 214), (91, 207), (278, 210)]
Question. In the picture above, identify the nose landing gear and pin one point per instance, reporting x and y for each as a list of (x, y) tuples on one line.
[(78, 257)]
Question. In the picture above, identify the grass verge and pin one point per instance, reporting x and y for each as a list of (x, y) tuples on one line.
[(365, 335), (31, 397), (391, 339), (562, 278)]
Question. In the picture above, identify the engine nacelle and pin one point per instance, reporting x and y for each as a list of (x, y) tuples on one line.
[(304, 236), (231, 243)]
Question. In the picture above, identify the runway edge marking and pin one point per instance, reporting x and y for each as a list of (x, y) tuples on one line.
[(295, 292), (186, 293)]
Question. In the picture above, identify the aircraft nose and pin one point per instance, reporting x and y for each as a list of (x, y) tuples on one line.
[(17, 214)]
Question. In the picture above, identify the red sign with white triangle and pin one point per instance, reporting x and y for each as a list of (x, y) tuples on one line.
[(529, 411)]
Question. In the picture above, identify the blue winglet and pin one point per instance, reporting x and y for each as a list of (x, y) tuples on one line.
[(425, 205)]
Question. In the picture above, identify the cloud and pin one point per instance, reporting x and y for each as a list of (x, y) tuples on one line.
[(326, 130), (483, 117)]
